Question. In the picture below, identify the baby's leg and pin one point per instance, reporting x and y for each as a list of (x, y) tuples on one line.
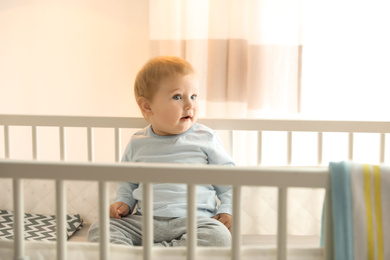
[(210, 232), (125, 231)]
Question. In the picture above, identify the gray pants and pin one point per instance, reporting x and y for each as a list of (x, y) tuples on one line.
[(167, 231)]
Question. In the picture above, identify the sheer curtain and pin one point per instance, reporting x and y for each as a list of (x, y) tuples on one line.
[(246, 52), (259, 58)]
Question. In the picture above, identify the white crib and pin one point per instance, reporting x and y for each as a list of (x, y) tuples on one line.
[(282, 177)]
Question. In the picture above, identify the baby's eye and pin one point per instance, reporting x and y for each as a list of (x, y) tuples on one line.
[(193, 97), (176, 97)]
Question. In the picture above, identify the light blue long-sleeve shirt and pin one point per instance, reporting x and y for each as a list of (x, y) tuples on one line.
[(199, 145)]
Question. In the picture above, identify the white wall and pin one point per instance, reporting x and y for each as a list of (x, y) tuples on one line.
[(71, 57), (68, 57)]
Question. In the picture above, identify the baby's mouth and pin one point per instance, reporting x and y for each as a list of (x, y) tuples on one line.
[(186, 117)]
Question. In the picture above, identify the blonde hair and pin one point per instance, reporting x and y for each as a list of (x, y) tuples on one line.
[(148, 78)]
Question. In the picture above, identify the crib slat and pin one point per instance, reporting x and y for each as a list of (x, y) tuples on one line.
[(236, 225), (90, 144), (328, 230), (18, 219), (191, 222), (319, 148), (6, 142), (289, 148), (61, 220), (103, 221), (147, 221), (34, 142), (231, 143), (382, 148), (62, 144), (282, 224), (259, 147), (350, 146), (118, 147)]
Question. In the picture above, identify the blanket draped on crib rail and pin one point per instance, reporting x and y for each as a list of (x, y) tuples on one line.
[(361, 210)]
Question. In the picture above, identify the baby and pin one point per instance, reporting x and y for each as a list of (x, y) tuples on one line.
[(166, 90)]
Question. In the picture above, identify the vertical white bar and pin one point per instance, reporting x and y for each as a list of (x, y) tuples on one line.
[(61, 219), (259, 147), (61, 205), (382, 148), (319, 148), (231, 143), (236, 225), (328, 228), (289, 148), (117, 144), (34, 142), (18, 219), (282, 223), (104, 221), (6, 142), (191, 222), (90, 144), (62, 144), (350, 146), (147, 221)]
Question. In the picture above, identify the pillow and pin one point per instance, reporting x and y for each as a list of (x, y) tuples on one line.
[(36, 226)]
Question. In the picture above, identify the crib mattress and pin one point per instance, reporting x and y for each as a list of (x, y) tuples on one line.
[(254, 247), (85, 251)]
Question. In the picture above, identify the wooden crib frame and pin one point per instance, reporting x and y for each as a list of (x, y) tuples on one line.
[(280, 177)]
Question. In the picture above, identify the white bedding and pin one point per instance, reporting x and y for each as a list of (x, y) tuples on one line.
[(247, 240), (254, 247), (87, 251), (305, 205)]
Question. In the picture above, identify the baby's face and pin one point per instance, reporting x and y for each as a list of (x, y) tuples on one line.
[(175, 105)]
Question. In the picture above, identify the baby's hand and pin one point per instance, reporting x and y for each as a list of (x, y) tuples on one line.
[(119, 209), (226, 219)]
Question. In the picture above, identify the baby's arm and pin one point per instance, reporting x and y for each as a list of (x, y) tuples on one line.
[(218, 155), (226, 219), (224, 212), (124, 200), (119, 209)]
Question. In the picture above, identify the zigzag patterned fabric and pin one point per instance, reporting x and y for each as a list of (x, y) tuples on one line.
[(37, 226)]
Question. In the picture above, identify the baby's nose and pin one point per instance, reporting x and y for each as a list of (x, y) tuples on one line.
[(188, 104)]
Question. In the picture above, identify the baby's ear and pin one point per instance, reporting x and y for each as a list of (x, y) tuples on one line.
[(144, 105)]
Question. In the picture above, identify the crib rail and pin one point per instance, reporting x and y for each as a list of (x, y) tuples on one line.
[(281, 177), (259, 125), (305, 125), (278, 176)]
